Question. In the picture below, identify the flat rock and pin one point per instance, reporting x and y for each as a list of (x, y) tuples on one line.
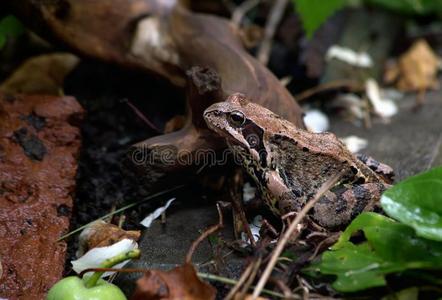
[(39, 144), (410, 143), (164, 246)]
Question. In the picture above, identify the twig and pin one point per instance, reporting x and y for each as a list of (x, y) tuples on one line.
[(329, 240), (233, 282), (285, 289), (121, 210), (141, 115), (274, 19), (251, 278), (288, 234), (205, 234), (240, 282), (242, 10), (344, 83)]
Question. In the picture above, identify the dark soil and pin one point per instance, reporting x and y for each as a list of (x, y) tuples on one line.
[(109, 128)]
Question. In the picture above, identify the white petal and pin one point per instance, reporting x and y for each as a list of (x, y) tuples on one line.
[(248, 192), (316, 121), (361, 59), (255, 227), (94, 257), (147, 221), (354, 143), (383, 107)]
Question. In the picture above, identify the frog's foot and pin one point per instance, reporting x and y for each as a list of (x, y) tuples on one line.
[(383, 170), (339, 207)]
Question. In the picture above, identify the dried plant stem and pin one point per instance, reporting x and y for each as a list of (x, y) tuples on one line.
[(353, 85), (141, 115), (288, 234), (205, 234), (242, 10), (240, 282), (229, 281), (273, 21), (251, 278)]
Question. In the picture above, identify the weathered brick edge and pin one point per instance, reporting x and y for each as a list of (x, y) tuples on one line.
[(39, 147)]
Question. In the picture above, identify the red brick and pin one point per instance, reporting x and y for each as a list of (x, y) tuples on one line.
[(39, 146)]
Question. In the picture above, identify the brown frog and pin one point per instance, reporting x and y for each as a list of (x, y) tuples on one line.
[(290, 164)]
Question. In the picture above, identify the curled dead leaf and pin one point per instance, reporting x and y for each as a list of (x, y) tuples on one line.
[(179, 283), (102, 234), (416, 69)]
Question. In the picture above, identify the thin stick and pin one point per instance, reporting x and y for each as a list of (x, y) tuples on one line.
[(205, 234), (273, 21), (336, 84), (242, 10), (251, 278), (141, 115), (121, 210), (287, 235), (240, 282), (233, 282)]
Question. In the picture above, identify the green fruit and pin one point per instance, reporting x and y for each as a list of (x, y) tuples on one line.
[(74, 288)]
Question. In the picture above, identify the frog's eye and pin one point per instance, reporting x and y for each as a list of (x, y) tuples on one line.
[(237, 118)]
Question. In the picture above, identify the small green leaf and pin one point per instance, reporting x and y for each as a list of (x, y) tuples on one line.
[(390, 247), (417, 202), (314, 13), (9, 27)]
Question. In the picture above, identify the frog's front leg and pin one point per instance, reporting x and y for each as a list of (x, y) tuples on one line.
[(383, 170), (339, 207)]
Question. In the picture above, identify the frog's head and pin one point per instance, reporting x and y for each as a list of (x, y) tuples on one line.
[(242, 124)]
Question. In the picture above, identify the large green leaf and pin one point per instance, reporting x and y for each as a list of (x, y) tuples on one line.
[(417, 202), (390, 247), (315, 12)]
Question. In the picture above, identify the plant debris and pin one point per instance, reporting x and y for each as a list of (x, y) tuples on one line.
[(179, 283), (96, 256), (103, 234), (416, 69)]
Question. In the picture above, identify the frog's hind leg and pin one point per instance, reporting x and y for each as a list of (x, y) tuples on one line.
[(339, 207), (383, 170)]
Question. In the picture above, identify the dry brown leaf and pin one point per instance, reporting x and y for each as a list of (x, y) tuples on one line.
[(179, 283), (102, 234), (40, 75), (416, 69)]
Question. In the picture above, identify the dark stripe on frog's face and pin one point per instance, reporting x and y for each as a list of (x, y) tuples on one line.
[(254, 136)]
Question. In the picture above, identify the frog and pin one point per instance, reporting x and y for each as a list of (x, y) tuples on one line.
[(289, 164)]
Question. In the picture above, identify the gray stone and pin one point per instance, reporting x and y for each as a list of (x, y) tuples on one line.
[(410, 143)]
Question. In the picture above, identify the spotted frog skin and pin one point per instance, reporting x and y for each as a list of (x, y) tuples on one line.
[(290, 164)]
